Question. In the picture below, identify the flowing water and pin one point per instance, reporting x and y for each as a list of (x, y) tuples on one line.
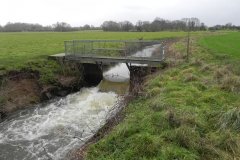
[(51, 130)]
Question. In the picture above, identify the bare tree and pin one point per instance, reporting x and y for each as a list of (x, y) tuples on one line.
[(203, 27), (126, 26), (86, 27), (47, 28), (110, 26), (228, 25), (61, 27), (192, 23), (139, 26), (146, 26)]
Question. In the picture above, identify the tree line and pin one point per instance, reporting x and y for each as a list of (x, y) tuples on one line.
[(57, 27), (228, 26), (158, 24)]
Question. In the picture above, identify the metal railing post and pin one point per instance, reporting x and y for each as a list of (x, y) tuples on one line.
[(92, 47), (65, 48), (125, 49), (74, 52)]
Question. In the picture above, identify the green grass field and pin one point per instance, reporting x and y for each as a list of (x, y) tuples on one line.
[(16, 49), (225, 49), (188, 112), (227, 44)]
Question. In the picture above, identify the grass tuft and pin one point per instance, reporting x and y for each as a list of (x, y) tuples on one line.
[(174, 152), (185, 137), (228, 143), (230, 84), (221, 72), (173, 120), (190, 78), (196, 62), (154, 91), (230, 119), (145, 145), (158, 105), (205, 68)]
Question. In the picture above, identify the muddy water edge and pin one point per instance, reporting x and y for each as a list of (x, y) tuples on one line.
[(22, 89)]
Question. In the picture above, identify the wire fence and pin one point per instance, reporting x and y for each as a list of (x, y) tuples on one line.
[(114, 48)]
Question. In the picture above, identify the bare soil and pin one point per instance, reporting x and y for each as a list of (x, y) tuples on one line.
[(21, 89), (20, 93)]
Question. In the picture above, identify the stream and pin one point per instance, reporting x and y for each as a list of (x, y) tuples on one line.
[(50, 130)]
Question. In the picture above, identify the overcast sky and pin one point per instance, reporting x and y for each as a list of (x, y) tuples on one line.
[(80, 12)]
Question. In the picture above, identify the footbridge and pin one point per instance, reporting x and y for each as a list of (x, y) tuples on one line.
[(140, 56), (147, 52)]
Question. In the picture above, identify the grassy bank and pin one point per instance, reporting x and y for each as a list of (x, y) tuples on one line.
[(189, 111)]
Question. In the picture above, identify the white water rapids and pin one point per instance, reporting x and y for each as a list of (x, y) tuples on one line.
[(54, 129), (51, 130)]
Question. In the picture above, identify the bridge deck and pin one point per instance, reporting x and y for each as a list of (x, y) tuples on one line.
[(109, 60)]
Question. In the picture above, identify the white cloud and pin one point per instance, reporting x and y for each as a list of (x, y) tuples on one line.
[(80, 12)]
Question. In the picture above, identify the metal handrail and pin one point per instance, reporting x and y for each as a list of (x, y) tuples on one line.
[(123, 48), (128, 41)]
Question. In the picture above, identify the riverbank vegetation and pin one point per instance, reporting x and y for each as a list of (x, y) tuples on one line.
[(27, 76), (188, 111)]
